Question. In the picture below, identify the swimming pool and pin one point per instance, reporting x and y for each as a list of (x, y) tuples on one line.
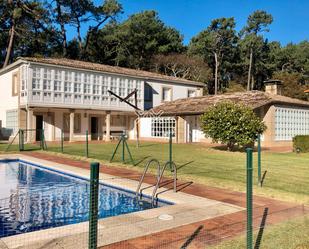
[(33, 197)]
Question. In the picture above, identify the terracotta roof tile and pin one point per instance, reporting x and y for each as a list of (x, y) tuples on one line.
[(109, 69), (198, 105)]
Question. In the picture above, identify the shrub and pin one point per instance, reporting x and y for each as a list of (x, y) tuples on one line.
[(301, 143), (232, 124)]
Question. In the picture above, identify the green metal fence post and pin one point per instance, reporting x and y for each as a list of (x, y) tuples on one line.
[(62, 137), (93, 205), (87, 147), (41, 140), (259, 160), (22, 140), (19, 140), (123, 141), (249, 199)]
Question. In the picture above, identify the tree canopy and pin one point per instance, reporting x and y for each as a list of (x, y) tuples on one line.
[(219, 56)]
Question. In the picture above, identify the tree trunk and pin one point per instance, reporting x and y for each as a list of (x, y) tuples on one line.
[(79, 38), (216, 73), (63, 31), (250, 68), (252, 82), (10, 45)]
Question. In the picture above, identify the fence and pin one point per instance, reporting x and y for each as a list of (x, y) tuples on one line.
[(140, 230)]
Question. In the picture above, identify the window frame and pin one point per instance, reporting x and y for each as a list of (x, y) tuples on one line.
[(162, 93)]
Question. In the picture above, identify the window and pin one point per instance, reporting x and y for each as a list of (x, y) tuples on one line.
[(36, 78), (77, 87), (290, 122), (122, 87), (23, 78), (162, 127), (77, 122), (96, 85), (148, 92), (139, 88), (114, 90), (47, 79), (67, 81), (166, 94), (57, 80), (191, 93), (77, 82), (87, 85), (15, 84), (105, 86), (11, 120)]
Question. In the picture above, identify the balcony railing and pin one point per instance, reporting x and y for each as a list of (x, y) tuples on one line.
[(93, 101)]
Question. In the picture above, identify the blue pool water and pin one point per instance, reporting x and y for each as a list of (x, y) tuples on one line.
[(34, 198)]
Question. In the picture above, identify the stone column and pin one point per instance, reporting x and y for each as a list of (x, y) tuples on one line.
[(108, 126), (30, 124), (71, 139)]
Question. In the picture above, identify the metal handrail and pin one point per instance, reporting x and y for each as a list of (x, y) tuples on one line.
[(144, 174), (160, 177)]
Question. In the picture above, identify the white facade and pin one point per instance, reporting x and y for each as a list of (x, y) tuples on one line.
[(58, 98)]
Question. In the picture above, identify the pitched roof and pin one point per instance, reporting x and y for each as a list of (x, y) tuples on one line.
[(198, 105), (110, 69)]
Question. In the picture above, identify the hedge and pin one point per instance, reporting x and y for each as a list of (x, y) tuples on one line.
[(301, 143)]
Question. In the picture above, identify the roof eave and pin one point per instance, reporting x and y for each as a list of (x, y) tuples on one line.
[(12, 66)]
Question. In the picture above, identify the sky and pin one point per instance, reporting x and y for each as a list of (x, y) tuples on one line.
[(291, 17)]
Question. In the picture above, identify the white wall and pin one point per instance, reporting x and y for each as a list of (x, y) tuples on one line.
[(145, 127), (7, 101), (179, 91)]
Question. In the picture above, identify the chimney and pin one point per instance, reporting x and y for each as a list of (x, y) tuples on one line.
[(273, 87)]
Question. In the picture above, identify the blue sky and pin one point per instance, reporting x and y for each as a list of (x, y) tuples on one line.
[(291, 17)]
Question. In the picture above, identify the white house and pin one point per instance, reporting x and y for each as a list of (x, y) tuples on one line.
[(69, 95)]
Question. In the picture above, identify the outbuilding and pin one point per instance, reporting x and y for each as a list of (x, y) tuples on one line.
[(284, 117)]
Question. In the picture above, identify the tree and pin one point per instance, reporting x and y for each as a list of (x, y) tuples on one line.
[(216, 44), (23, 19), (232, 124), (80, 12), (134, 42), (182, 66), (257, 22), (292, 84)]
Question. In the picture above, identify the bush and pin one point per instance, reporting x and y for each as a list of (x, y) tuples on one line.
[(301, 143), (232, 124)]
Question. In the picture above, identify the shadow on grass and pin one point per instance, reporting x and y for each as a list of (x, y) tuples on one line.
[(147, 145), (261, 230), (263, 178), (192, 237), (141, 160), (183, 165)]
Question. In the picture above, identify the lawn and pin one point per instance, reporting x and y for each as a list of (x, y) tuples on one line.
[(293, 234), (287, 176)]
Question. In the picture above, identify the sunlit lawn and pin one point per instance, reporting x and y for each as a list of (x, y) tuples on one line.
[(293, 234), (287, 175)]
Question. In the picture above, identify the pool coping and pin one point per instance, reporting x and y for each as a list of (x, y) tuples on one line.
[(187, 209)]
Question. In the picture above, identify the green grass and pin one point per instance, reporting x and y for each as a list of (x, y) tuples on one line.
[(287, 175), (293, 234)]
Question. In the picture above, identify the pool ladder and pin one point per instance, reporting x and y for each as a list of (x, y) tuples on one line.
[(159, 177)]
